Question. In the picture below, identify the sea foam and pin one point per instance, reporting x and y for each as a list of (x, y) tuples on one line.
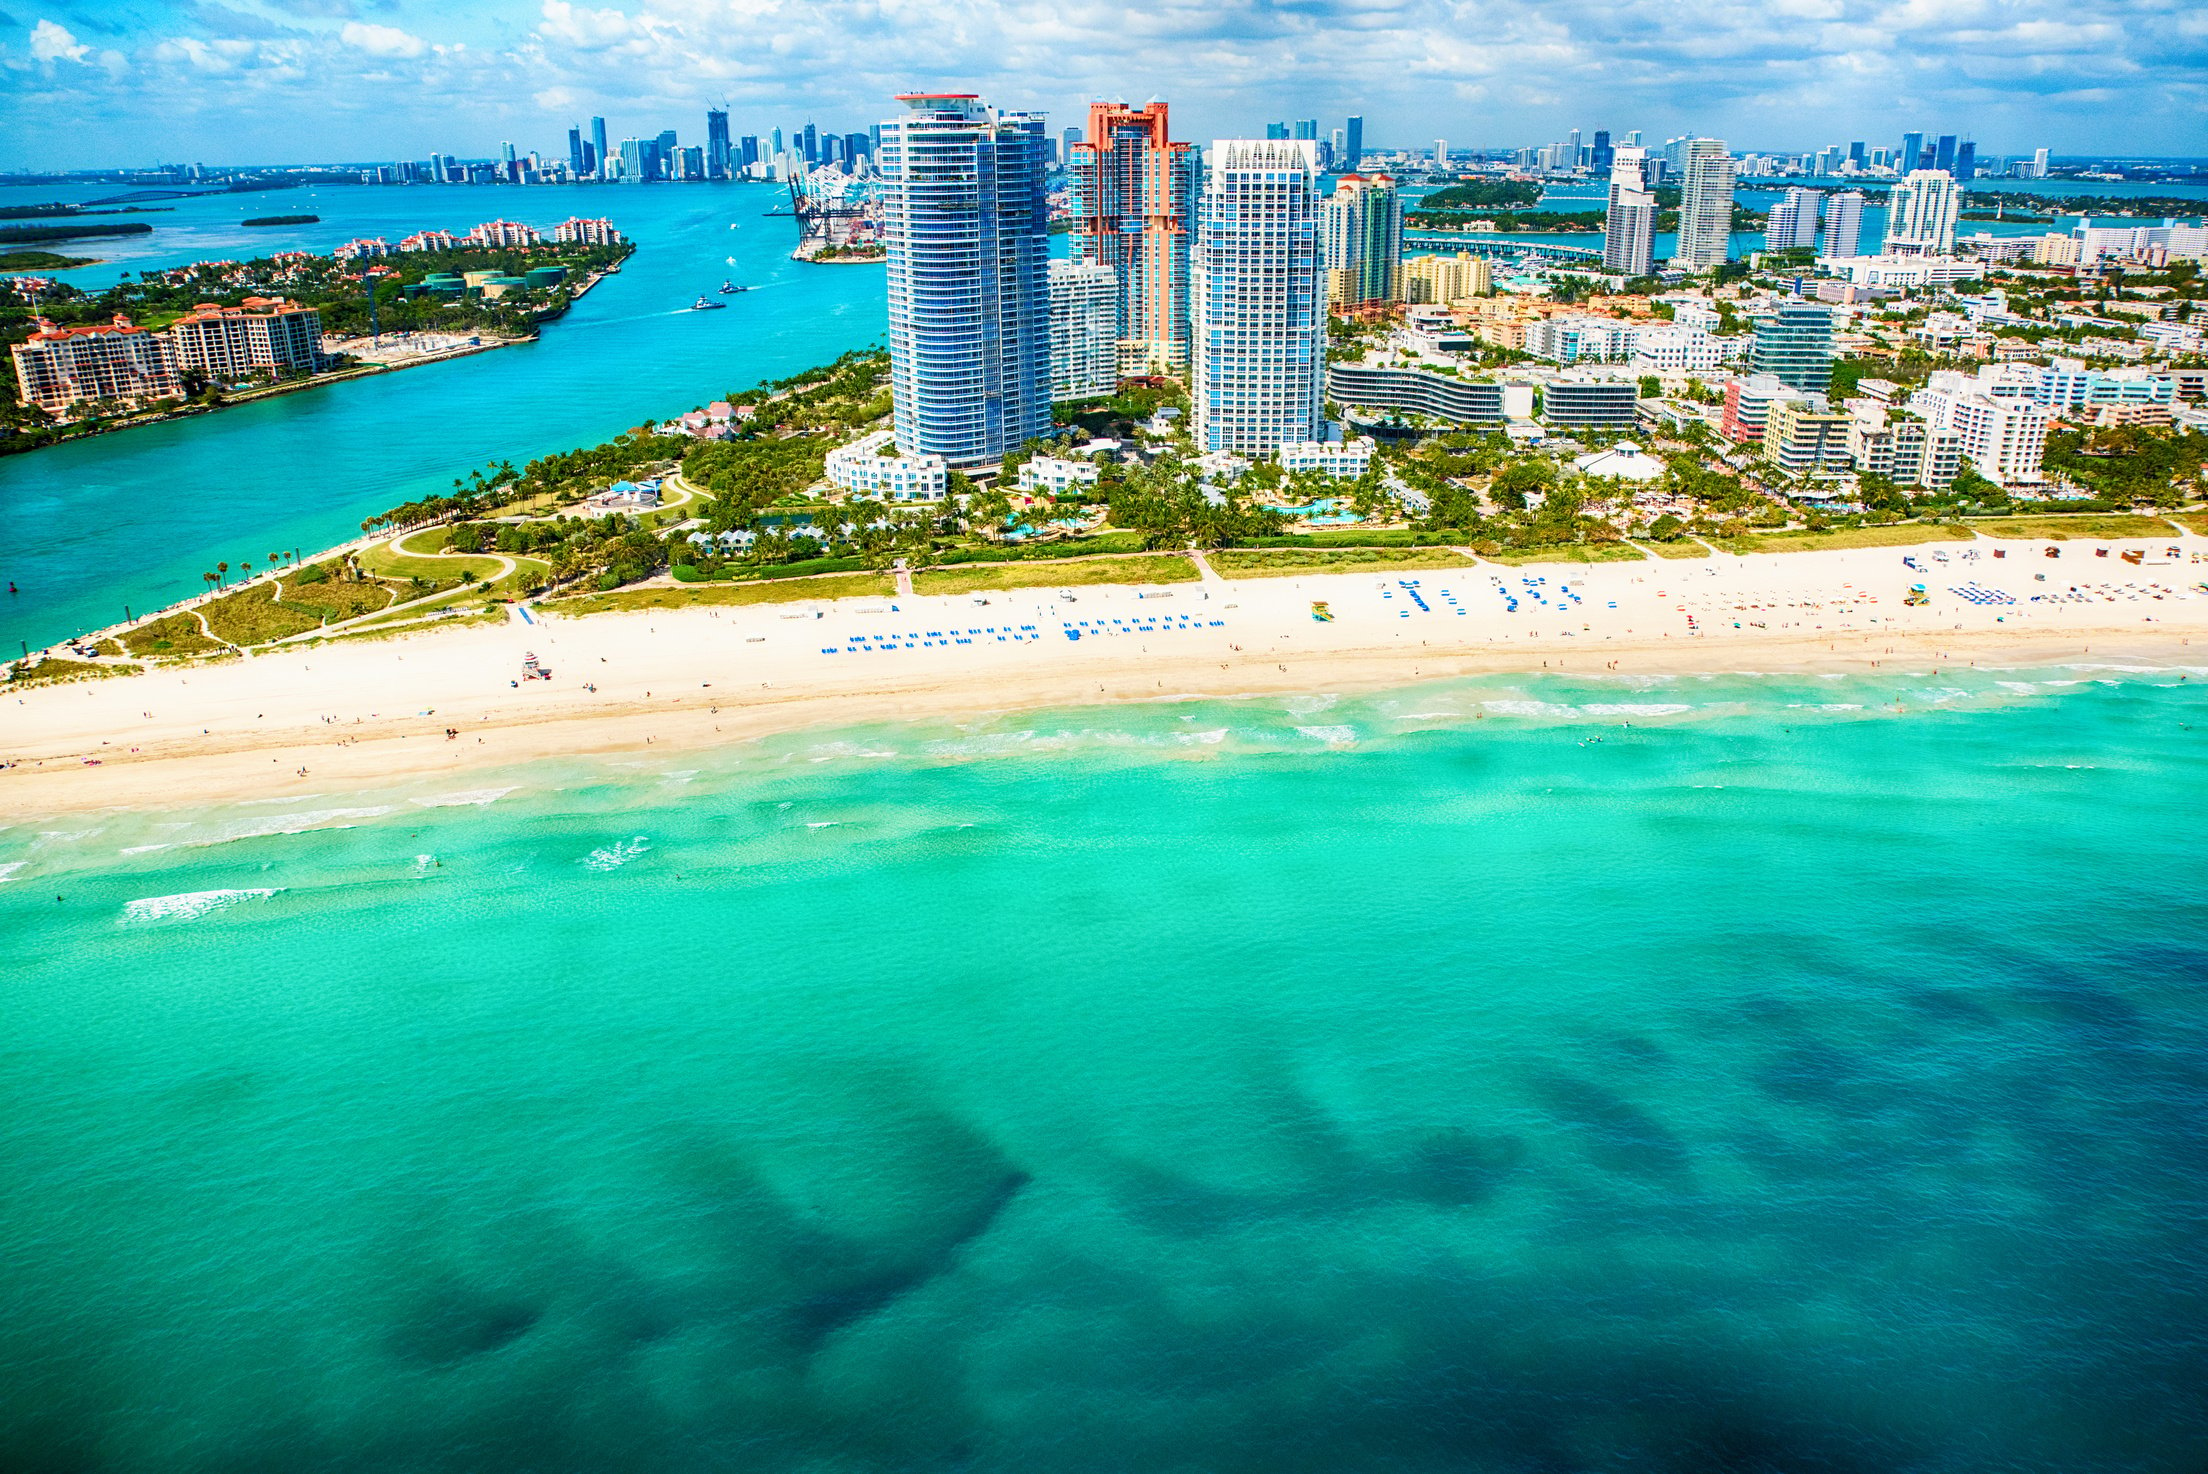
[(190, 905)]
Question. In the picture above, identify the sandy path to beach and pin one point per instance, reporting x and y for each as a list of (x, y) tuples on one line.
[(360, 712)]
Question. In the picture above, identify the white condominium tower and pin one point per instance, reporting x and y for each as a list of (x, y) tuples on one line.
[(1629, 229), (1792, 222), (968, 230), (1705, 205), (1260, 298), (1920, 214), (1843, 225), (1084, 330)]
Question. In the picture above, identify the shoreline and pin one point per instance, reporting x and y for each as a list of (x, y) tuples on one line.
[(356, 713), (361, 370)]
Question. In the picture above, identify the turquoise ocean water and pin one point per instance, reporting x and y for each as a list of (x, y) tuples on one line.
[(1685, 1075)]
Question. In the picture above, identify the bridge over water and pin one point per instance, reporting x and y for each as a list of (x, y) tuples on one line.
[(1497, 247)]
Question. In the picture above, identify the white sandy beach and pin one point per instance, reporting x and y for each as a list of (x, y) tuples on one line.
[(363, 711)]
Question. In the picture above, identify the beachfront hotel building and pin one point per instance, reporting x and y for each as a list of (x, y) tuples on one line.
[(1084, 331), (968, 232), (56, 367), (1705, 205), (870, 468), (1364, 241), (1260, 298), (2003, 438), (265, 334), (1337, 460), (1132, 192)]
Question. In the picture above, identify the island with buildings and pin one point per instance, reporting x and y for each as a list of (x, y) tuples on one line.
[(198, 337)]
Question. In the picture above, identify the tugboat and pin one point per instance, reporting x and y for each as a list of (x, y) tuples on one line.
[(707, 304)]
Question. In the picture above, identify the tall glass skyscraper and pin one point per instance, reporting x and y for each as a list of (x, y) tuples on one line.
[(968, 230), (716, 144), (1796, 345), (1705, 206), (1260, 320), (598, 143), (1134, 206), (1354, 149), (1629, 225)]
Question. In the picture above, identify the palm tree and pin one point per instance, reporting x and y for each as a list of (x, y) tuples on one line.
[(208, 577), (221, 569)]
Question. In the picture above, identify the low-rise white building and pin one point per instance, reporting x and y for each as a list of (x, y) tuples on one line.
[(1051, 476), (1220, 465), (1904, 271), (1343, 460), (1668, 348), (870, 467), (1624, 461), (1578, 339)]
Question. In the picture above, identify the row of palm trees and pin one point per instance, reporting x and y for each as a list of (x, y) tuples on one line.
[(217, 577)]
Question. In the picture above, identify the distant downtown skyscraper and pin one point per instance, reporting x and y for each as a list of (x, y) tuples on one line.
[(1260, 328), (1355, 144), (1629, 226), (598, 142), (1364, 241), (1133, 200), (1921, 213), (1843, 224), (1705, 206), (716, 144), (968, 230)]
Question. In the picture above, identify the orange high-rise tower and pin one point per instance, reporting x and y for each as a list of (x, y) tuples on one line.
[(1134, 202)]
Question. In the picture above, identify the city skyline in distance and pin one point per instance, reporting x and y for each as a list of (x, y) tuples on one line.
[(97, 83)]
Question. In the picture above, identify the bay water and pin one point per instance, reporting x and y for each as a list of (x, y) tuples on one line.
[(134, 518), (1743, 1073)]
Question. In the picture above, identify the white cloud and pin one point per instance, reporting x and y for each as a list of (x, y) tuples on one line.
[(579, 25), (52, 43), (381, 40), (301, 76)]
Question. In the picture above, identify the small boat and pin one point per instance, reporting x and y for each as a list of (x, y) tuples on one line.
[(729, 286), (707, 304)]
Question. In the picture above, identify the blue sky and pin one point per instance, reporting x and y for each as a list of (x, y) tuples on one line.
[(97, 82)]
